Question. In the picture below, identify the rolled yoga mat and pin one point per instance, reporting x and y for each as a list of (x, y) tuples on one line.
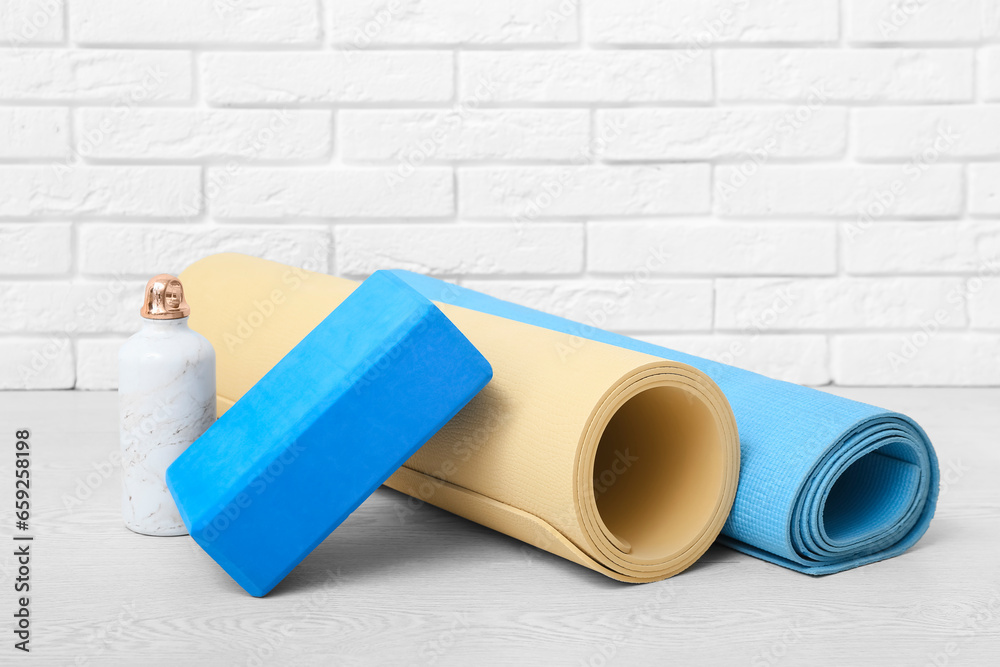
[(826, 483), (623, 462)]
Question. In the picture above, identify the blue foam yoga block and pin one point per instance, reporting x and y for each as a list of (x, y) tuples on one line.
[(323, 429)]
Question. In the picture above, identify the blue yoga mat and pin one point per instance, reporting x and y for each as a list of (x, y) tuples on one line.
[(826, 483)]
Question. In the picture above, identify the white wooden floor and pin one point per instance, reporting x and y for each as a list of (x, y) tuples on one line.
[(430, 588)]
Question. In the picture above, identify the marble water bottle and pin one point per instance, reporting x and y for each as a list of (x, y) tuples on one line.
[(166, 397)]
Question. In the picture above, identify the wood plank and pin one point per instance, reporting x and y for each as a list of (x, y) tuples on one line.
[(426, 587)]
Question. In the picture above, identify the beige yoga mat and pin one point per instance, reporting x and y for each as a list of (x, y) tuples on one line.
[(617, 460)]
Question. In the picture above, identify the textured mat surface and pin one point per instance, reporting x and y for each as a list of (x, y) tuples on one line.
[(303, 448), (621, 461), (826, 483)]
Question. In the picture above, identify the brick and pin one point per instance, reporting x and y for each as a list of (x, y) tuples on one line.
[(126, 77), (244, 134), (343, 77), (34, 132), (77, 307), (418, 136), (982, 293), (30, 22), (888, 21), (922, 247), (337, 192), (984, 189), (619, 304), (989, 73), (36, 363), (359, 24), (526, 193), (832, 75), (798, 358), (914, 189), (85, 191), (142, 250), (451, 249), (932, 133), (723, 133), (709, 22), (97, 363), (194, 21), (769, 305), (712, 248), (35, 248), (586, 76), (917, 358)]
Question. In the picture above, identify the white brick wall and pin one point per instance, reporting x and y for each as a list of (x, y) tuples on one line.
[(808, 188), (192, 22), (723, 21)]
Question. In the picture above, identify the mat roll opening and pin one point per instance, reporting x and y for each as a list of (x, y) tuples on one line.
[(659, 453)]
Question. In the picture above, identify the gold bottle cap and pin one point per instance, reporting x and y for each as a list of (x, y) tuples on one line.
[(164, 299)]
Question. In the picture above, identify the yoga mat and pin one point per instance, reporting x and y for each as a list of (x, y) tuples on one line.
[(826, 483), (338, 414), (620, 461)]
